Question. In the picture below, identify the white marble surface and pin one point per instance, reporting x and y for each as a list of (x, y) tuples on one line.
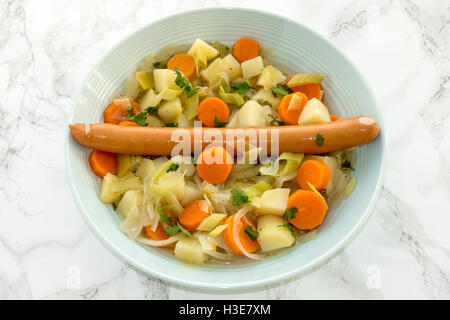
[(48, 47)]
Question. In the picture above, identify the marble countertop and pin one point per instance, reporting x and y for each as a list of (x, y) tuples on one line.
[(47, 49)]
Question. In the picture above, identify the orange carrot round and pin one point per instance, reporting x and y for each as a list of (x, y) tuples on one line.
[(116, 112), (245, 49), (102, 162), (315, 172), (245, 240), (194, 213), (128, 123), (311, 209), (158, 235), (214, 165), (311, 90), (291, 116), (212, 108), (183, 62), (333, 117)]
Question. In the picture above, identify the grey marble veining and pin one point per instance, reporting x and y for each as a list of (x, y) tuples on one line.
[(48, 47)]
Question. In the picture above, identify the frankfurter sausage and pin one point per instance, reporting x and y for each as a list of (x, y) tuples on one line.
[(158, 141)]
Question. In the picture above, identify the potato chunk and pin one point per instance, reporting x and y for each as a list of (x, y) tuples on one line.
[(314, 112), (252, 67), (170, 111), (274, 202), (190, 250), (272, 235)]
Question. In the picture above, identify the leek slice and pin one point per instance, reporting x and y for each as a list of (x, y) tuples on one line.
[(234, 98), (257, 189), (155, 188), (144, 79), (305, 78), (192, 106), (170, 92), (293, 161)]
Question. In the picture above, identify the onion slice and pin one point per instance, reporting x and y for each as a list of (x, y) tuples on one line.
[(237, 217), (160, 243)]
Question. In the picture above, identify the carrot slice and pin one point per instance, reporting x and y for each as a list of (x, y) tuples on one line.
[(194, 213), (117, 112), (158, 235), (214, 165), (102, 162), (315, 172), (212, 108), (128, 123), (245, 49), (311, 90), (291, 116), (333, 117), (311, 209), (183, 62), (245, 240)]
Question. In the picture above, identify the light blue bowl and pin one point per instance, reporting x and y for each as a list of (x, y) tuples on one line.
[(297, 49)]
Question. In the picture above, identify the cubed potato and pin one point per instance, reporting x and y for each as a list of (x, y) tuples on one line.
[(264, 96), (215, 72), (251, 114), (270, 77), (209, 223), (163, 78), (149, 99), (170, 111), (106, 194), (314, 112), (272, 235), (252, 67), (170, 178), (154, 121), (146, 170), (202, 52), (190, 250), (232, 66), (131, 198), (274, 202), (191, 193)]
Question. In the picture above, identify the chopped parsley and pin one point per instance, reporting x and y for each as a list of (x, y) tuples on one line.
[(183, 82), (241, 87), (157, 64), (275, 120), (319, 140), (289, 227), (171, 124), (173, 230), (290, 213), (347, 165), (219, 124), (263, 102), (162, 217), (152, 110), (173, 167), (238, 197), (253, 234), (140, 118), (281, 89)]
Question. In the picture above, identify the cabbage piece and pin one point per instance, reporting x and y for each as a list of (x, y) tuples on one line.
[(292, 162), (144, 79), (305, 78), (132, 224), (155, 188), (234, 98)]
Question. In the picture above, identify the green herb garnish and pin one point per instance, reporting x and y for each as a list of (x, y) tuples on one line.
[(290, 213), (183, 82), (171, 124), (238, 197), (274, 119), (347, 165), (173, 167), (241, 87), (140, 118), (253, 234), (289, 227), (152, 110), (219, 124), (162, 217), (185, 232), (319, 140), (157, 64), (173, 230), (281, 89), (190, 92)]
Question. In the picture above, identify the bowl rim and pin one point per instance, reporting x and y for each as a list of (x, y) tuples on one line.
[(252, 284)]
